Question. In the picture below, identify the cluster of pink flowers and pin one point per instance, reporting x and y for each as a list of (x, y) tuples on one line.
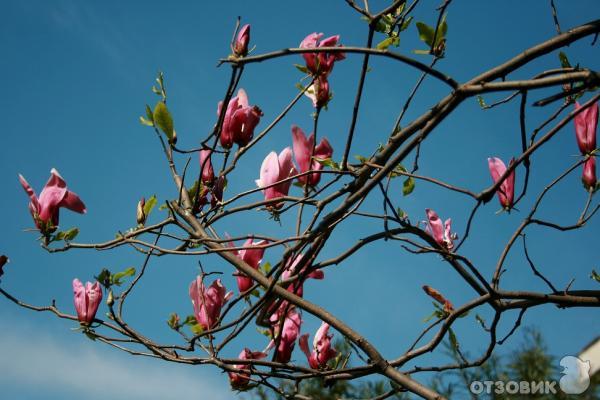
[(586, 123), (320, 66), (276, 170)]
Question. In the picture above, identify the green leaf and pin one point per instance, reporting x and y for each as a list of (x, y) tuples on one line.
[(190, 320), (104, 277), (406, 24), (425, 33), (265, 332), (162, 118), (149, 206), (481, 101), (255, 293), (564, 61), (360, 158), (595, 276), (146, 122), (442, 30), (453, 339), (400, 212), (71, 234), (421, 51), (301, 68), (385, 43), (173, 321), (116, 279), (327, 162), (266, 267), (408, 186), (196, 329)]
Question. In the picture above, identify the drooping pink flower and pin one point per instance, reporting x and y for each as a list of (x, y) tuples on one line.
[(288, 336), (318, 92), (506, 191), (291, 269), (320, 63), (54, 195), (589, 174), (208, 174), (322, 351), (441, 233), (275, 169), (240, 120), (437, 296), (240, 380), (87, 299), (208, 302), (252, 257), (303, 152), (586, 123), (240, 47)]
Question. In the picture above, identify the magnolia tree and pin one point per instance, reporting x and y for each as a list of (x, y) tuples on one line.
[(322, 190)]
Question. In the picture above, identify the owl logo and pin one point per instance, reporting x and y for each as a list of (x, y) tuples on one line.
[(576, 378)]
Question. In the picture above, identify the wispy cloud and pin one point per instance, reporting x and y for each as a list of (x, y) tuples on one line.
[(54, 366)]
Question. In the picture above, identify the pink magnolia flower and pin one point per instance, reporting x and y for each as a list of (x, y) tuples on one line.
[(275, 169), (208, 302), (297, 287), (303, 152), (586, 123), (240, 47), (589, 174), (240, 120), (86, 299), (240, 380), (287, 339), (441, 233), (506, 191), (320, 63), (437, 296), (322, 351), (318, 92), (45, 209), (208, 174), (250, 256)]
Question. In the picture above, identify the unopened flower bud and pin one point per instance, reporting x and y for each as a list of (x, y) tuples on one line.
[(110, 299), (240, 48), (140, 214)]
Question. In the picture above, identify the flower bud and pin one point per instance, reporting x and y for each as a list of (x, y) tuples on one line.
[(589, 174), (240, 48), (140, 214)]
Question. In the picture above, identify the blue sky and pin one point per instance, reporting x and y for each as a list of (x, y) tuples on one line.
[(76, 76)]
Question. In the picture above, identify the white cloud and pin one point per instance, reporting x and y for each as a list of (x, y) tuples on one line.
[(36, 359)]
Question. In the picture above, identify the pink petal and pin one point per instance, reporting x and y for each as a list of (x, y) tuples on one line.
[(435, 224)]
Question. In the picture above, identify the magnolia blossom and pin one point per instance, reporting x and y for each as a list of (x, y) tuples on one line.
[(441, 233), (318, 92), (208, 174), (240, 47), (250, 256), (305, 151), (208, 302), (240, 120), (240, 380), (87, 299), (437, 296), (291, 269), (275, 169), (286, 336), (322, 351), (320, 63), (54, 195), (589, 174), (586, 123), (506, 191)]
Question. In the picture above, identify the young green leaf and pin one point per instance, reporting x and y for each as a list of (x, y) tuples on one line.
[(408, 186), (162, 118), (385, 43), (595, 276), (564, 61), (116, 279), (149, 206), (425, 33)]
